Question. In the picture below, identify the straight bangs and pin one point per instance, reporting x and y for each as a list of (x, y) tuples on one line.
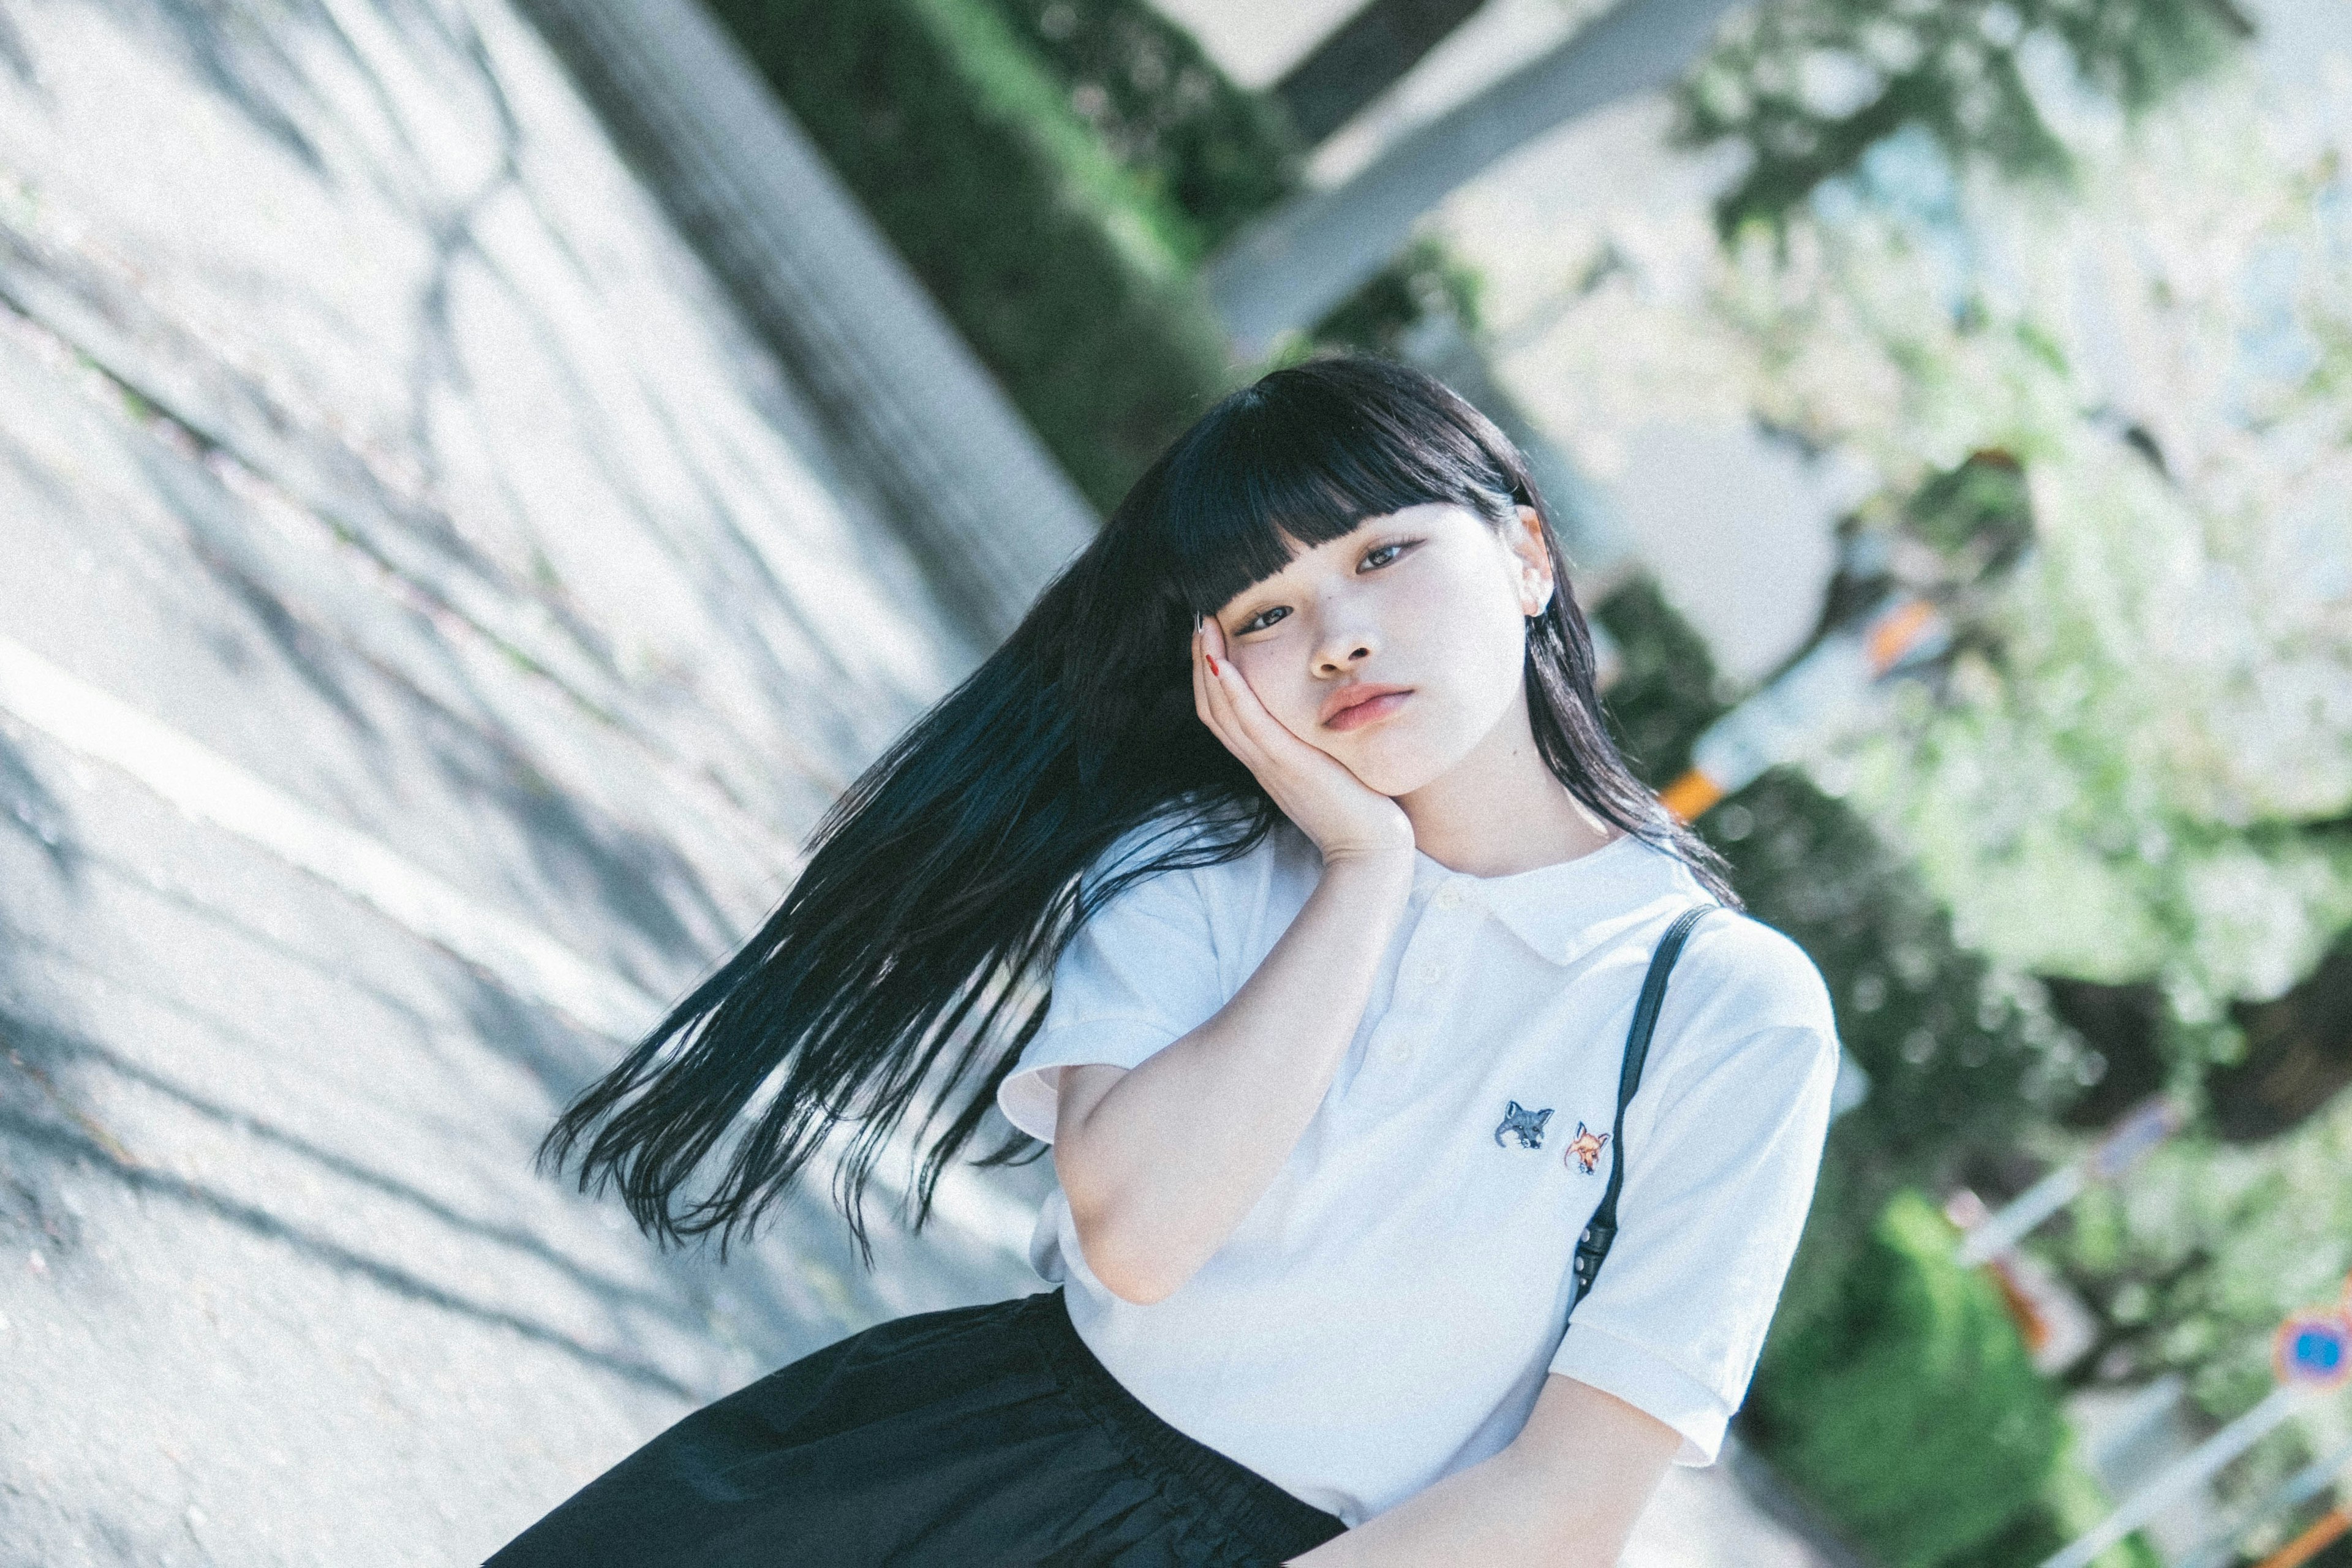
[(1302, 458)]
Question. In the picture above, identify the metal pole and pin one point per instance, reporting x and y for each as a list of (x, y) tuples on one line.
[(2021, 1214), (2306, 1484), (2139, 1130), (1309, 254), (2191, 1470)]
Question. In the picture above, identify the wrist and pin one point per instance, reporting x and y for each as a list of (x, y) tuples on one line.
[(1371, 868)]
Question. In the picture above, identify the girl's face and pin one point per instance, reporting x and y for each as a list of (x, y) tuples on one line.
[(1398, 647)]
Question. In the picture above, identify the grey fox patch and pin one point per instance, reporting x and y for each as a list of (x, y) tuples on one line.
[(1528, 1124)]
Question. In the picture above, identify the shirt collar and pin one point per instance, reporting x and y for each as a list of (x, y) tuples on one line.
[(1566, 910)]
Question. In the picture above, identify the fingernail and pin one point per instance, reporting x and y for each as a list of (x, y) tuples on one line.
[(1212, 666)]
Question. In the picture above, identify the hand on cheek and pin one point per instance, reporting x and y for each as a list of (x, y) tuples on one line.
[(1315, 791)]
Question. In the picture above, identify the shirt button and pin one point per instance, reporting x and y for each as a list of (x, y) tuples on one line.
[(1430, 973), (1401, 1051), (1449, 897)]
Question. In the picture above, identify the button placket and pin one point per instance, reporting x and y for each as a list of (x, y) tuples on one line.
[(1428, 961)]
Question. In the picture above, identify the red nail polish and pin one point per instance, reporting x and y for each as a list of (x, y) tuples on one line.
[(1212, 666)]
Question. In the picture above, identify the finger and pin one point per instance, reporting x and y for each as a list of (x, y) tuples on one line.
[(1208, 700), (1227, 689), (1217, 707), (1199, 673), (1241, 720), (1247, 712)]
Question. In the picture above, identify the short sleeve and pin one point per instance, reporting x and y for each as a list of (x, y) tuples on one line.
[(1718, 1179), (1139, 975)]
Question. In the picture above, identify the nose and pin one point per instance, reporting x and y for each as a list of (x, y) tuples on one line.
[(1342, 650)]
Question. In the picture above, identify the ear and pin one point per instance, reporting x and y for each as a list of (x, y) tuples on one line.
[(1533, 566)]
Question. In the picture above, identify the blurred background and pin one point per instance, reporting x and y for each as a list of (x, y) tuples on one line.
[(476, 476)]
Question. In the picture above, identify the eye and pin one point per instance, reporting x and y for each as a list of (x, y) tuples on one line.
[(1263, 619), (1382, 555)]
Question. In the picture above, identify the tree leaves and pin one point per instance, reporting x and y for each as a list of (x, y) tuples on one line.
[(1807, 87)]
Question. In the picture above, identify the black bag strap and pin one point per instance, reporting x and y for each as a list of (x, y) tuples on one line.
[(1593, 1244)]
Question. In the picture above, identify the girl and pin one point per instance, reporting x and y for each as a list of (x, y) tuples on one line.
[(1297, 787)]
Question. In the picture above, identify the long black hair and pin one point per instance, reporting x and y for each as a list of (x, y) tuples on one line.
[(909, 960)]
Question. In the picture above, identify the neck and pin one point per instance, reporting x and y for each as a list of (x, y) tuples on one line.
[(1501, 810)]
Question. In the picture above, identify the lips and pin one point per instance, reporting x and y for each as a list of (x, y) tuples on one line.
[(1366, 702)]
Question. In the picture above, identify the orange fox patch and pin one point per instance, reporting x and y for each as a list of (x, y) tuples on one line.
[(1584, 1149)]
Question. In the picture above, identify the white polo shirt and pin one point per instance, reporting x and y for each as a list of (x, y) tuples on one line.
[(1387, 1312)]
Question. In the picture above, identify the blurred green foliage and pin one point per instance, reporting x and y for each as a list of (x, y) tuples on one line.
[(1909, 1407), (2125, 780), (1215, 152), (1875, 1317), (2186, 1266), (1067, 272), (2069, 1504), (1427, 280), (2121, 781), (1954, 1050), (1978, 516), (1666, 689), (1807, 87), (1906, 1407), (2191, 1263), (1053, 171)]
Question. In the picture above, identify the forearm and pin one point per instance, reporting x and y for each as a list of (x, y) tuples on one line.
[(1160, 1166), (1566, 1490), (1496, 1511)]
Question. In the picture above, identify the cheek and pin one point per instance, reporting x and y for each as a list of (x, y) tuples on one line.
[(1500, 661), (1474, 656), (1477, 638), (1279, 685)]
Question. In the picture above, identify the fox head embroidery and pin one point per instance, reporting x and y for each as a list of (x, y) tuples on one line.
[(1528, 1124), (1585, 1147)]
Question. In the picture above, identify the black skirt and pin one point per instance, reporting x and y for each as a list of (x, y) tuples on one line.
[(965, 1438)]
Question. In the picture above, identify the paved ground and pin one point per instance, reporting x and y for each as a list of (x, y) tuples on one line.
[(425, 623)]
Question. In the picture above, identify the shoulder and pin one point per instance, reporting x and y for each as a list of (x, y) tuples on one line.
[(1747, 1026), (1741, 981), (1741, 964)]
